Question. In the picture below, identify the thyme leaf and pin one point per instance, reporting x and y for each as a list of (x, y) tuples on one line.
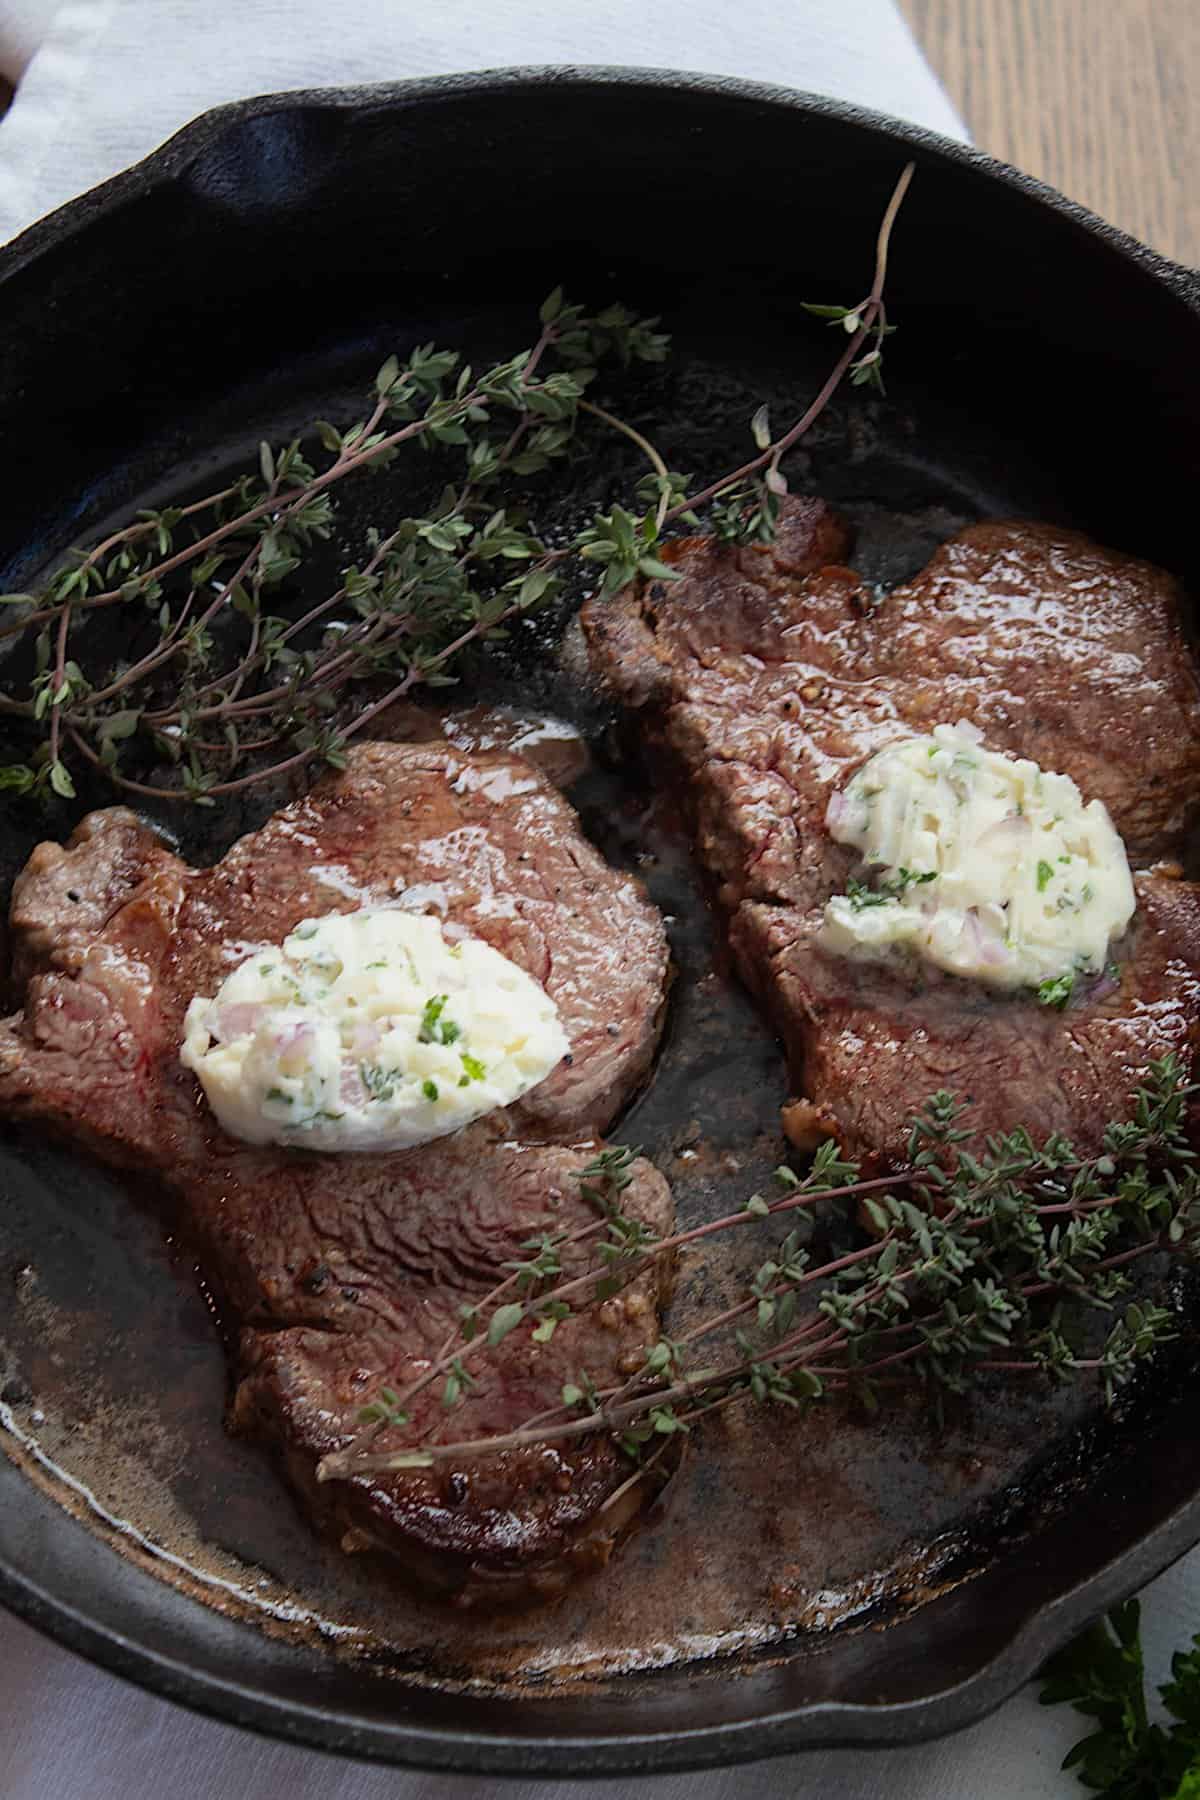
[(229, 681), (984, 1264)]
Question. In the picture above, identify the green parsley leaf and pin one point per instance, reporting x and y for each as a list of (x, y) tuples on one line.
[(429, 1089), (430, 1017), (1056, 992), (861, 896), (1045, 875), (1127, 1756), (380, 1083), (891, 888), (434, 1028)]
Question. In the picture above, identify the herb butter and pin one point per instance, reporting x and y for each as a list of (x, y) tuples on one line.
[(984, 865), (369, 1031)]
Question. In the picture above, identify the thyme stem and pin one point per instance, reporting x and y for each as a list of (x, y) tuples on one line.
[(429, 588), (947, 1289), (770, 457)]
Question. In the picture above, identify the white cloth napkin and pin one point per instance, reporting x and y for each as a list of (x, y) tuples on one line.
[(101, 83), (113, 78)]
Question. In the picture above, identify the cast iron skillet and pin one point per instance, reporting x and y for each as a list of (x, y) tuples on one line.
[(1048, 365)]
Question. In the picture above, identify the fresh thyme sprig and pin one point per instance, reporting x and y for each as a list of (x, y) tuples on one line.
[(978, 1264), (748, 509), (231, 688), (244, 681)]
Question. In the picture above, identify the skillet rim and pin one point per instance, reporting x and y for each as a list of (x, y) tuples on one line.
[(176, 152), (825, 1723), (818, 1724)]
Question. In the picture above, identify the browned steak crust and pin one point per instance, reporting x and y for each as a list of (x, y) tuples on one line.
[(872, 1046), (347, 1272), (377, 1296), (767, 675)]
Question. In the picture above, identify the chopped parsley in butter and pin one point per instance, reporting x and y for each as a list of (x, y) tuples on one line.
[(369, 1031), (983, 865)]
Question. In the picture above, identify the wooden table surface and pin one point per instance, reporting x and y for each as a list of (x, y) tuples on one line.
[(1101, 98)]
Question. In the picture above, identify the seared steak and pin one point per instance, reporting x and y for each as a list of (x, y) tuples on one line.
[(373, 1288), (867, 1045), (484, 840), (347, 1272), (767, 675)]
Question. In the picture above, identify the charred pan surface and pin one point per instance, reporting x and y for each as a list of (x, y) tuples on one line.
[(767, 675), (346, 1273)]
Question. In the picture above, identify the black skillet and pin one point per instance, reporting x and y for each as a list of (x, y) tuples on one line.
[(254, 272)]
